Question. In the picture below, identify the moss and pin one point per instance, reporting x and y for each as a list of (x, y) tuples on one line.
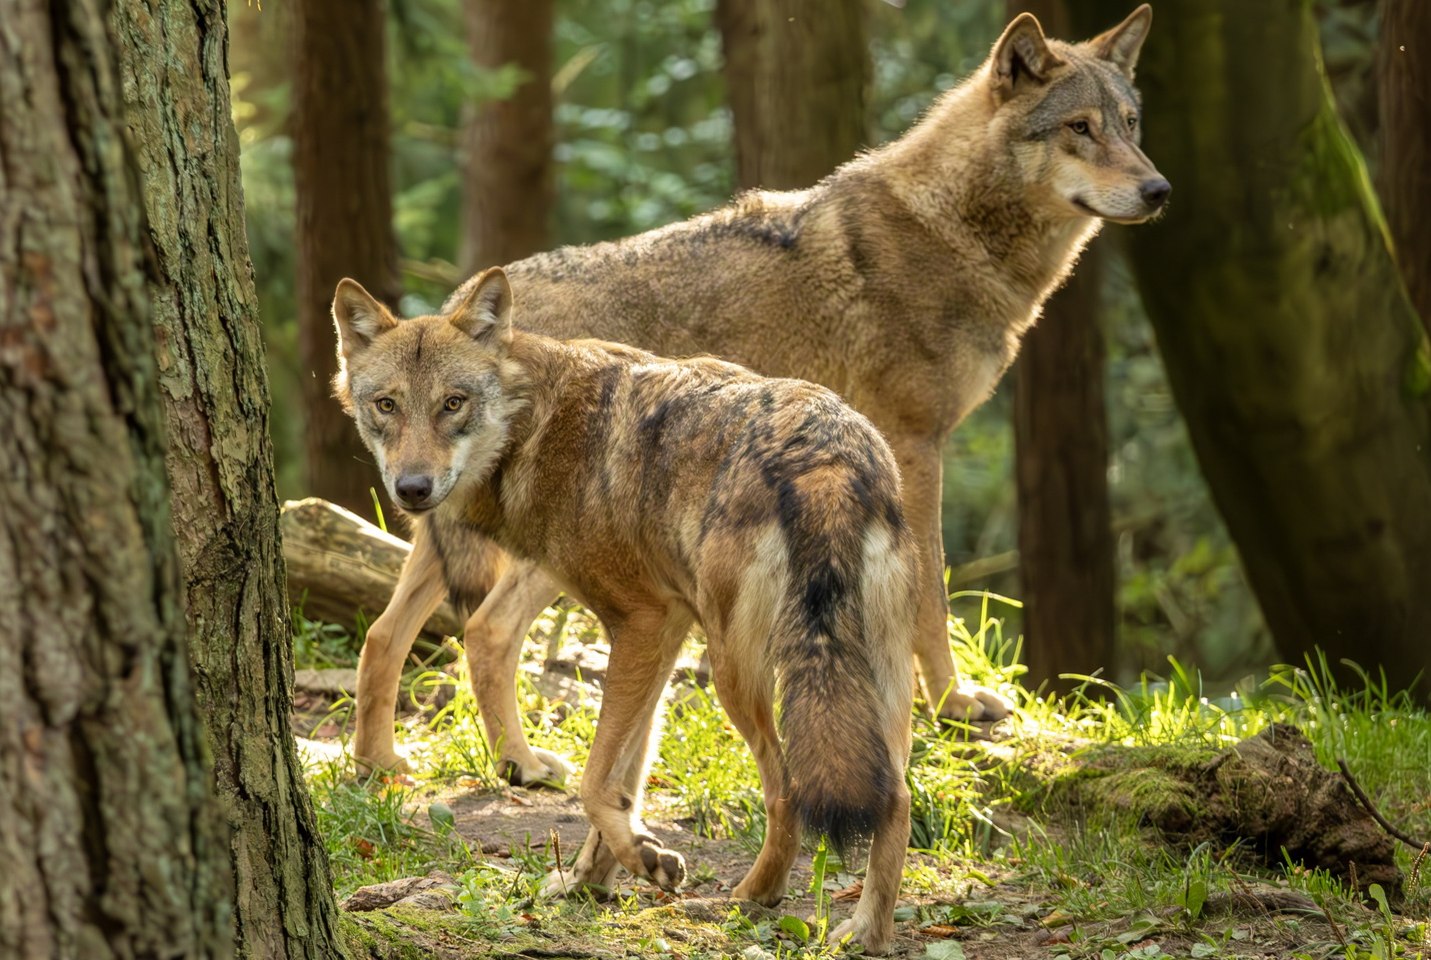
[(1149, 784), (409, 934)]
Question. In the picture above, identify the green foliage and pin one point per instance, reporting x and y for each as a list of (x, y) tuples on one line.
[(996, 859), (643, 138)]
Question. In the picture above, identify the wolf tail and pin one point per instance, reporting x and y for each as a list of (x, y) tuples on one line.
[(844, 672)]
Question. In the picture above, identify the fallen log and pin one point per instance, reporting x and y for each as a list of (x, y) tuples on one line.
[(1267, 792), (339, 565)]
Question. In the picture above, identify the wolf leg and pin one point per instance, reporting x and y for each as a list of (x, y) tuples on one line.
[(872, 924), (747, 694), (644, 647), (493, 639), (420, 590), (922, 471)]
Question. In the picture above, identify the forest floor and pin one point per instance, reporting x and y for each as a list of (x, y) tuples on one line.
[(1004, 864)]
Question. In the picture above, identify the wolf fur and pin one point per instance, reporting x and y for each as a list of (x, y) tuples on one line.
[(904, 282), (663, 493)]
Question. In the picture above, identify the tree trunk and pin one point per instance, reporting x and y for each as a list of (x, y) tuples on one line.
[(111, 842), (796, 74), (1404, 98), (1061, 466), (1293, 352), (507, 160), (344, 217), (220, 467)]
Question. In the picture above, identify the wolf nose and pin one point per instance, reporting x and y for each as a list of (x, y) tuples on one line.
[(414, 488), (1155, 192)]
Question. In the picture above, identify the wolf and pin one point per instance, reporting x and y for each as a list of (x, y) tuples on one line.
[(663, 493), (904, 281)]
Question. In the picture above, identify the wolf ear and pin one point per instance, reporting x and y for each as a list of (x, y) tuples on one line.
[(1022, 55), (486, 314), (1121, 45), (359, 317)]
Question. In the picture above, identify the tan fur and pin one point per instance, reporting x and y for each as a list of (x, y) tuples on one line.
[(904, 282), (664, 493)]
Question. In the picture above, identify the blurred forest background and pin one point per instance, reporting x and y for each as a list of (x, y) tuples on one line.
[(641, 133)]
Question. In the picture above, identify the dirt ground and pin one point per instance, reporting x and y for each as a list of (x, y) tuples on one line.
[(996, 920)]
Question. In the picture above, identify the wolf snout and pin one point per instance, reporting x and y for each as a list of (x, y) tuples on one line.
[(413, 489), (1155, 192)]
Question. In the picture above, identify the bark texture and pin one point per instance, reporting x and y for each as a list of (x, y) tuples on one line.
[(1293, 351), (797, 73), (1404, 180), (1061, 468), (215, 395), (1061, 465), (507, 156), (343, 183), (111, 843)]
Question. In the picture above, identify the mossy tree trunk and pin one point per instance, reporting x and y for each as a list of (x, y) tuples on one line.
[(111, 843), (1292, 349), (796, 73), (1061, 465), (1404, 179), (215, 393), (507, 156), (343, 184)]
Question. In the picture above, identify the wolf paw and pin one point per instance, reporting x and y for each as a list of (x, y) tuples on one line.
[(974, 703), (873, 937), (370, 763), (561, 883), (665, 868), (766, 898), (543, 769)]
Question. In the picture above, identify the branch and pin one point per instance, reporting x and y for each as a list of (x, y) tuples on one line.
[(1365, 801)]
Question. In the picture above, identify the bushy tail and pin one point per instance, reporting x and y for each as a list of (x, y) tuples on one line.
[(844, 672)]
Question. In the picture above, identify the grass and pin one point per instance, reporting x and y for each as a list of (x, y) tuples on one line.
[(996, 865)]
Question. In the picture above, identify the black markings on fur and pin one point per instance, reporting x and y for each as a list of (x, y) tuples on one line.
[(460, 587), (824, 590), (846, 824)]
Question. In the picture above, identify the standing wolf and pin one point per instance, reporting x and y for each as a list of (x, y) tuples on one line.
[(904, 281), (660, 493)]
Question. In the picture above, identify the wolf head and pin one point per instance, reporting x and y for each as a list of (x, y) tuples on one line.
[(433, 396), (1071, 118)]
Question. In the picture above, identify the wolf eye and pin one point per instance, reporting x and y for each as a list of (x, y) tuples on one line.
[(1132, 123), (386, 405), (1079, 127), (452, 404)]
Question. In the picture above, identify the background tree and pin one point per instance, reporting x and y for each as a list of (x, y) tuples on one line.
[(797, 74), (1061, 465), (111, 842), (1295, 356), (507, 155), (1404, 180), (341, 145)]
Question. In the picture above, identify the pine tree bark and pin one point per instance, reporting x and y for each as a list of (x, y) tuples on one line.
[(215, 392), (797, 73), (1404, 179), (1061, 469), (1061, 465), (111, 842), (341, 169), (507, 156), (1294, 354)]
